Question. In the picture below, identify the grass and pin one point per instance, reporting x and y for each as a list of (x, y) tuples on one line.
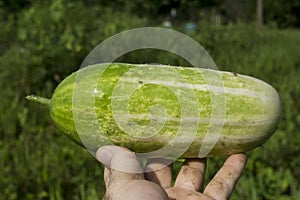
[(38, 162)]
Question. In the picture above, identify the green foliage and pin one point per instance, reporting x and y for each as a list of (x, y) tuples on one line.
[(39, 47), (43, 43), (273, 56)]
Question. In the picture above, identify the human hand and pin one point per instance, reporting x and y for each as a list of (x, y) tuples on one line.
[(124, 177)]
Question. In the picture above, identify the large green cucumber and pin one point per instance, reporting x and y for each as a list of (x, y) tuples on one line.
[(252, 107)]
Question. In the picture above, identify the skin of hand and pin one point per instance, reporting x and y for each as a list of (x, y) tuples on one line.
[(125, 179)]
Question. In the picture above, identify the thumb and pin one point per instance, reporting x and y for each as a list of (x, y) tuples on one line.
[(120, 161), (126, 180)]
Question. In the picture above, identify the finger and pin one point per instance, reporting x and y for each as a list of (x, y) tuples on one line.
[(191, 174), (159, 170), (181, 193), (222, 185), (120, 162), (106, 176)]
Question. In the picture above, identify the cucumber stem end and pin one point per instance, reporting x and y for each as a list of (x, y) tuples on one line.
[(38, 99)]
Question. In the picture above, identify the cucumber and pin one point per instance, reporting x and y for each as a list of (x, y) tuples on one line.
[(141, 107)]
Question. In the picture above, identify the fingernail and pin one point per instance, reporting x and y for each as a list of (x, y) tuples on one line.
[(104, 156)]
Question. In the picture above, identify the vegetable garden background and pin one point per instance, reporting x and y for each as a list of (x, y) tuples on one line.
[(41, 42)]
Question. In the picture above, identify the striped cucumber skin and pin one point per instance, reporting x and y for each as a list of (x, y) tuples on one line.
[(252, 108)]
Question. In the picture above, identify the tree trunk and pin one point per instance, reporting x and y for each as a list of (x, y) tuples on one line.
[(259, 13), (218, 19)]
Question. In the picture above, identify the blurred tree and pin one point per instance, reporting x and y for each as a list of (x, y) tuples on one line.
[(15, 5), (282, 13), (234, 11)]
